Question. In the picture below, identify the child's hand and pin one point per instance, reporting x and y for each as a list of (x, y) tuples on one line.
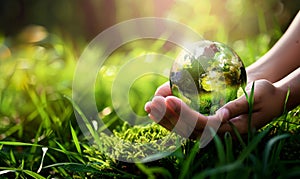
[(268, 104), (173, 114), (280, 65), (166, 110)]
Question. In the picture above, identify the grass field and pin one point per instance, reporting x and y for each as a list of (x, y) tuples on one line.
[(40, 136)]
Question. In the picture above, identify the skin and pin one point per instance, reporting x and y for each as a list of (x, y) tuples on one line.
[(274, 74)]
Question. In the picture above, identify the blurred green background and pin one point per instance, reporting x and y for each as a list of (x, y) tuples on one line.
[(84, 19), (40, 42)]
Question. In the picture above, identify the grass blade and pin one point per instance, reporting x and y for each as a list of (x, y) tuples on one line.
[(150, 172), (286, 99), (33, 174), (229, 149), (285, 122), (89, 126), (74, 167), (44, 149), (218, 170), (75, 139), (16, 170), (252, 145), (18, 143), (251, 103), (12, 157), (188, 162), (268, 148), (220, 150), (6, 171), (237, 134)]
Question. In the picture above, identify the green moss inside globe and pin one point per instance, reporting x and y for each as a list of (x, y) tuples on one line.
[(207, 75)]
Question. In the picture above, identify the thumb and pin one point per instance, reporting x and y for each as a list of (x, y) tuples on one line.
[(233, 109)]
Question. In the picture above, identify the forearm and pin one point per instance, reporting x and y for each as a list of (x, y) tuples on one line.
[(292, 83), (281, 59)]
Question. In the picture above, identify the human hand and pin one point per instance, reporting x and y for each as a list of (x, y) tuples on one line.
[(268, 104), (173, 114), (166, 110)]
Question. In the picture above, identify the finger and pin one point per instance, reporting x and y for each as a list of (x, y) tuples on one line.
[(241, 123), (173, 105), (174, 113), (170, 119), (234, 109), (185, 113), (147, 107), (158, 112), (188, 122), (164, 90), (163, 115), (225, 126), (157, 108)]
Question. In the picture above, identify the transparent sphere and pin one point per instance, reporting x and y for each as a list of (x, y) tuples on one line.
[(207, 75)]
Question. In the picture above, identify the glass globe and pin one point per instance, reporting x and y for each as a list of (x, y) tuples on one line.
[(207, 75)]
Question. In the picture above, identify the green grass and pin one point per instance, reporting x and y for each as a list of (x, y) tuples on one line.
[(47, 122), (40, 137)]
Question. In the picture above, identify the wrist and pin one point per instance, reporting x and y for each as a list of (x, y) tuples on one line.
[(285, 93), (258, 72), (253, 75)]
